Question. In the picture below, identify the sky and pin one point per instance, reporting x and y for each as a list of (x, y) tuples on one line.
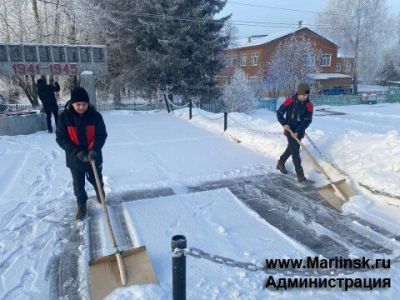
[(289, 13)]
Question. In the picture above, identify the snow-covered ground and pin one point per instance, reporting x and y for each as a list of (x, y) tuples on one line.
[(147, 151)]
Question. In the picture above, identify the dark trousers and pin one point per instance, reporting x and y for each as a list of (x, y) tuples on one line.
[(292, 149), (50, 112), (78, 180)]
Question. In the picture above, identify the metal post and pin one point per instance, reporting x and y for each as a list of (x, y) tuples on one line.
[(166, 103), (178, 268), (225, 121), (190, 108)]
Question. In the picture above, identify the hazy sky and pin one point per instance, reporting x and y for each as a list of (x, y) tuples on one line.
[(255, 12)]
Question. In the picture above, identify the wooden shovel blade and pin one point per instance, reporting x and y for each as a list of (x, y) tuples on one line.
[(328, 193), (105, 277)]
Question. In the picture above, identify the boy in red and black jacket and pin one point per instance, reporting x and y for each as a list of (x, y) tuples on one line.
[(295, 113), (81, 132)]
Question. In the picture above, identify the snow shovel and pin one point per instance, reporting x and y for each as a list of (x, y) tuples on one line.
[(336, 193), (131, 267)]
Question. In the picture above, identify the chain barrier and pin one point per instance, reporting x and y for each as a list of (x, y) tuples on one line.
[(177, 106), (344, 173), (203, 115), (221, 260), (251, 129)]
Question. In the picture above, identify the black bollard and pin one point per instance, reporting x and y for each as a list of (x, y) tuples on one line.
[(178, 268), (225, 121), (190, 109), (166, 103)]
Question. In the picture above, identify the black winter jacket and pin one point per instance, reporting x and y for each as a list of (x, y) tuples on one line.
[(46, 94), (296, 114), (77, 133)]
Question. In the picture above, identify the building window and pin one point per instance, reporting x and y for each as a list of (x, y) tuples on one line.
[(254, 59), (325, 60), (233, 60), (243, 60), (226, 61), (347, 67), (310, 59), (338, 68)]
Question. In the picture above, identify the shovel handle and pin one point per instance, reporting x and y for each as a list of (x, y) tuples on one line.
[(315, 162), (120, 262), (121, 267)]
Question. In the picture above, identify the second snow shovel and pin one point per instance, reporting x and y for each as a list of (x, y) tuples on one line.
[(123, 268), (336, 193)]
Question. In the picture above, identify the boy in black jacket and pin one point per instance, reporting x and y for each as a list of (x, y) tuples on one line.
[(81, 132), (295, 113)]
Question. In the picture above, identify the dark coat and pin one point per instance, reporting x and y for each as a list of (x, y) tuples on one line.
[(296, 114), (46, 94), (77, 133)]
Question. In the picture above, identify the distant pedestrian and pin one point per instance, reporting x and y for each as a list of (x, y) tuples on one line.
[(48, 99), (295, 114), (81, 132)]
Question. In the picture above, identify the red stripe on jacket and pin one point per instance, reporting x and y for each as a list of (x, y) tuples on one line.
[(90, 135), (310, 107), (73, 135), (288, 101)]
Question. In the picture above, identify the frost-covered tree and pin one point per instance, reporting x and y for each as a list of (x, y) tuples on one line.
[(114, 23), (37, 21), (391, 65), (361, 27), (290, 64), (239, 95)]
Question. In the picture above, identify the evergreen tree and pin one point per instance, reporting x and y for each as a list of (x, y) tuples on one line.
[(179, 43)]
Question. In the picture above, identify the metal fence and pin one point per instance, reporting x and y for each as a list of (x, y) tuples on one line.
[(269, 104), (17, 107), (392, 96), (214, 107), (128, 106)]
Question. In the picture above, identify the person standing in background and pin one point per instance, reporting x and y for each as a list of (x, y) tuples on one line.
[(46, 95)]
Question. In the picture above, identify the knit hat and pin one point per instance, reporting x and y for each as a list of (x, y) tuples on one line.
[(303, 89), (79, 94)]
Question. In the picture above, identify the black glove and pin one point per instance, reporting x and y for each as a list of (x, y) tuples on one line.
[(92, 155), (82, 156)]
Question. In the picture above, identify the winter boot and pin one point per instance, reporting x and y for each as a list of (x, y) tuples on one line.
[(281, 167), (81, 213), (300, 176)]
